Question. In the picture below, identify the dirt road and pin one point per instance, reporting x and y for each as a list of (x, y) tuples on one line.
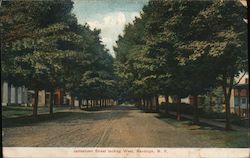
[(119, 126)]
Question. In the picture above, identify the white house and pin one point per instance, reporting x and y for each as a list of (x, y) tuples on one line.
[(13, 95)]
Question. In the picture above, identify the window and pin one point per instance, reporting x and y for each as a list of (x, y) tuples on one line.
[(236, 102), (243, 100), (246, 80)]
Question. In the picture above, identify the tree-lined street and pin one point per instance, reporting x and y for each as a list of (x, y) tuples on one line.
[(172, 57)]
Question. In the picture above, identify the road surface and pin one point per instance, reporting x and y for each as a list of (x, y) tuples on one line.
[(119, 126)]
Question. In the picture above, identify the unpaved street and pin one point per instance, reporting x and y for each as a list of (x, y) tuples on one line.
[(119, 126)]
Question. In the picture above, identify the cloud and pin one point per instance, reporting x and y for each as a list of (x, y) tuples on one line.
[(134, 14), (111, 25)]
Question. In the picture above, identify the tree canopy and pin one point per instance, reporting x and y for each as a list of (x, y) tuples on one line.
[(44, 47), (183, 48)]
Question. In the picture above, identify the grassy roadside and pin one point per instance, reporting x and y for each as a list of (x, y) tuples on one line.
[(21, 111), (217, 136), (219, 116), (13, 116)]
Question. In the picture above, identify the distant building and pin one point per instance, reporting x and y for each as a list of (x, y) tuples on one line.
[(241, 98), (44, 98), (239, 101), (11, 94), (20, 95)]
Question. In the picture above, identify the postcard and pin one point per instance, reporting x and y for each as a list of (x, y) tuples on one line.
[(124, 78)]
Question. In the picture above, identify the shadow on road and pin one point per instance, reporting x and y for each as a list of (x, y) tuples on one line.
[(115, 108), (69, 117)]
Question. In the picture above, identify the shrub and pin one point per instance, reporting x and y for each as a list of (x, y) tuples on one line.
[(184, 108)]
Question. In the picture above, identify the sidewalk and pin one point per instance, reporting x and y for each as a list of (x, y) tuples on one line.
[(211, 122)]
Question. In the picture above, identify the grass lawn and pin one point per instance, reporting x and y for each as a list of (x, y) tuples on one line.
[(21, 111), (21, 115), (217, 136), (221, 116)]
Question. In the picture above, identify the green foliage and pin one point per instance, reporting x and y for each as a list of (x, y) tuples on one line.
[(43, 47), (183, 107), (181, 47), (148, 51)]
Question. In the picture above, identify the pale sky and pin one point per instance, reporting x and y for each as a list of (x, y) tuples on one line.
[(108, 15)]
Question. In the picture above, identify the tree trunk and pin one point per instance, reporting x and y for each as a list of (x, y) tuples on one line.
[(16, 96), (146, 109), (51, 102), (35, 105), (72, 101), (100, 102), (248, 104), (210, 102), (91, 103), (166, 104), (228, 124), (144, 103), (87, 103), (178, 109), (196, 112), (157, 103), (166, 99), (239, 103), (227, 95), (141, 104), (80, 102), (150, 104), (9, 95)]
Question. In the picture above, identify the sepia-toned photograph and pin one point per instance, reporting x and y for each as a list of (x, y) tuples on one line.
[(124, 78)]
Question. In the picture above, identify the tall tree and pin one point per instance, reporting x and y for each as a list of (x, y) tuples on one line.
[(226, 43), (30, 31)]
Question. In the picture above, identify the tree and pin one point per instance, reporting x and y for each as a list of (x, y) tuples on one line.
[(158, 54), (186, 78), (30, 31), (127, 51), (89, 71), (153, 44), (226, 43)]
